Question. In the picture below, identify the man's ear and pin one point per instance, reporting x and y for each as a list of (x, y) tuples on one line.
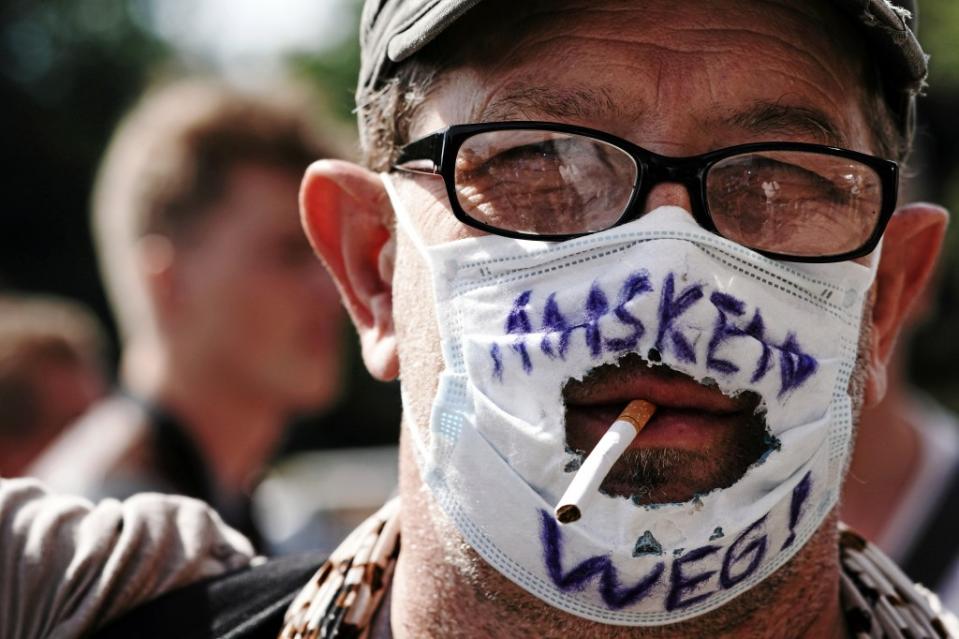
[(347, 217), (909, 254)]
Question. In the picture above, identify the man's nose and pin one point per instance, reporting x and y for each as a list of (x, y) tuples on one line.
[(668, 194)]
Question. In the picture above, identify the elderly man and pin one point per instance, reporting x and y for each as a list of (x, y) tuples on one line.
[(570, 206)]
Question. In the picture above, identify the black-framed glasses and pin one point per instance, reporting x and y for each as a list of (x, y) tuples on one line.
[(549, 181)]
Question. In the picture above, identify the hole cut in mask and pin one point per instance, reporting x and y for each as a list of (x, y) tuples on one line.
[(699, 440)]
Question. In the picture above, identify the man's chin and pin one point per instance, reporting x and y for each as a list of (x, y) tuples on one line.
[(667, 476)]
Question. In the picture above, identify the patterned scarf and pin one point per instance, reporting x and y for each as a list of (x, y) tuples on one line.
[(341, 599)]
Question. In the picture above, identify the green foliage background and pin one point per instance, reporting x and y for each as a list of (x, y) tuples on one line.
[(939, 32)]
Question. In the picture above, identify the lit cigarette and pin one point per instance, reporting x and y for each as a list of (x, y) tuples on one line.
[(594, 470)]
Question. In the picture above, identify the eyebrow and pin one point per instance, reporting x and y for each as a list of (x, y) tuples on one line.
[(774, 118), (534, 102), (763, 118)]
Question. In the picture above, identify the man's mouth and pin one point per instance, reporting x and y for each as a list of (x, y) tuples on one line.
[(698, 440)]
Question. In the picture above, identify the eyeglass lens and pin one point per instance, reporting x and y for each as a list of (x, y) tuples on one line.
[(794, 202), (536, 182), (543, 182)]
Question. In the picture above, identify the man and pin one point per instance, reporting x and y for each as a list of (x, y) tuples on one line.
[(229, 325), (51, 371), (605, 202)]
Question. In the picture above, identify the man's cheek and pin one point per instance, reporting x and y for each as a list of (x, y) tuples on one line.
[(862, 384), (417, 334)]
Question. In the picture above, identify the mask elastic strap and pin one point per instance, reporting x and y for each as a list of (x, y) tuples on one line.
[(419, 445), (406, 224), (402, 215), (874, 258)]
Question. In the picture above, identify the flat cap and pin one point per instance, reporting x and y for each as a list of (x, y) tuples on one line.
[(393, 30)]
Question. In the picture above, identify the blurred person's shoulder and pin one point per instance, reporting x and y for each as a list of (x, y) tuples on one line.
[(105, 453), (249, 603), (295, 596), (68, 565)]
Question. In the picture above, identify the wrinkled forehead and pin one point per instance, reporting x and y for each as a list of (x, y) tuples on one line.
[(658, 69)]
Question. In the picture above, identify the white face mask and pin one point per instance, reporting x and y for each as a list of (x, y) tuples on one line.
[(519, 319)]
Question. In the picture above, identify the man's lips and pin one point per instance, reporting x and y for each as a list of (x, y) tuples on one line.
[(660, 385), (689, 415)]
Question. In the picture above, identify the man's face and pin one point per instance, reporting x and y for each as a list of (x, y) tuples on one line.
[(256, 306), (676, 79)]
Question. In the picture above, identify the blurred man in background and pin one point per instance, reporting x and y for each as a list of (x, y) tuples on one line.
[(228, 324), (51, 371)]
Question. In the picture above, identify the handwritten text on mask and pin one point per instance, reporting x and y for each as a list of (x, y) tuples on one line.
[(553, 331)]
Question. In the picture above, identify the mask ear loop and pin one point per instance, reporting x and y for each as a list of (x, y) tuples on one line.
[(404, 222), (420, 446), (874, 258), (402, 215)]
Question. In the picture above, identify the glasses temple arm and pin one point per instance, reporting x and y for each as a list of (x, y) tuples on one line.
[(421, 156)]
